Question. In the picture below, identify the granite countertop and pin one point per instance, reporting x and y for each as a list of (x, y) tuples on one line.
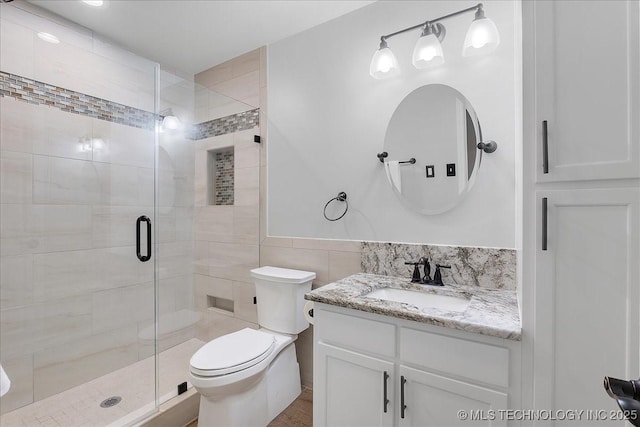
[(491, 312)]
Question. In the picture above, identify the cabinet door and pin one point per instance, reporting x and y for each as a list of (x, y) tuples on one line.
[(349, 389), (436, 401), (587, 88), (586, 297)]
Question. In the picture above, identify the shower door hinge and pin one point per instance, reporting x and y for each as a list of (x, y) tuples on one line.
[(182, 388), (255, 300), (256, 138)]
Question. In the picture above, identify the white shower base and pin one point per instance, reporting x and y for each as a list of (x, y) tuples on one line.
[(80, 406)]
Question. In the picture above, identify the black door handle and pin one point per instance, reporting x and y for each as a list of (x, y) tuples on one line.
[(147, 257), (403, 381), (545, 147), (544, 224), (385, 401)]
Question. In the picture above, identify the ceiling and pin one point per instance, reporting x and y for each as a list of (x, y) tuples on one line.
[(192, 35)]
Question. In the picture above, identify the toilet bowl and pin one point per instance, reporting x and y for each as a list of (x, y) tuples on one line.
[(246, 378)]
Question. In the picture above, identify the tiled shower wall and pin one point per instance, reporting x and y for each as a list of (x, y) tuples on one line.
[(75, 301), (227, 236), (230, 240)]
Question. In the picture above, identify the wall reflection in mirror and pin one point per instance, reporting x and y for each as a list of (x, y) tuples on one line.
[(432, 149)]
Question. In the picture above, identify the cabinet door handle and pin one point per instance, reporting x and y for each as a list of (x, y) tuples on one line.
[(545, 147), (385, 401), (403, 381), (544, 223)]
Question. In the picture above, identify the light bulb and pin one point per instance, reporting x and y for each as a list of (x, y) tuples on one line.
[(428, 50), (171, 123), (384, 63), (482, 36)]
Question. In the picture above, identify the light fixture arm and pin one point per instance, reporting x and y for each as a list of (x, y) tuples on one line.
[(477, 8)]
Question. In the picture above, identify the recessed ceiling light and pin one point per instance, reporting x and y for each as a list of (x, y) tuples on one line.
[(50, 38), (96, 3)]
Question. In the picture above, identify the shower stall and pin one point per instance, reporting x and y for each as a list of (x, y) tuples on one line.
[(98, 317)]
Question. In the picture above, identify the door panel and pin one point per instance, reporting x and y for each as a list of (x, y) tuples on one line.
[(353, 386), (586, 297), (436, 401), (586, 89)]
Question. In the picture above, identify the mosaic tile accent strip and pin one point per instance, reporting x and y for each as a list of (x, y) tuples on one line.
[(224, 125), (484, 267), (39, 93), (224, 177)]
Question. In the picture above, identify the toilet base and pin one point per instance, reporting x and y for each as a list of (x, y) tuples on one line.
[(260, 403), (283, 382)]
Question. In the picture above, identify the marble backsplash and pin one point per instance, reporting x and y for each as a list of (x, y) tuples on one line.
[(484, 267)]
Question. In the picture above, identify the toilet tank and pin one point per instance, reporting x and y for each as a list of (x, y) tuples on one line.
[(280, 297)]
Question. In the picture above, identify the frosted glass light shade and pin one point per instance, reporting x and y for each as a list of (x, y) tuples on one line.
[(428, 52), (171, 123), (383, 64), (482, 37)]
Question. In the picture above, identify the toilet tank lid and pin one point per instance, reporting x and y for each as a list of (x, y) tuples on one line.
[(284, 275)]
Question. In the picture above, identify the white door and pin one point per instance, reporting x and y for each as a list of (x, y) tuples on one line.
[(586, 298), (349, 389), (436, 401), (587, 89)]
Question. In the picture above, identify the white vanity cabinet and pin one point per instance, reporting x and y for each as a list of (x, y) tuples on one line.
[(352, 388), (435, 400), (367, 366)]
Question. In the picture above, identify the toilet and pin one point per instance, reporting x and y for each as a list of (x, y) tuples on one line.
[(246, 378)]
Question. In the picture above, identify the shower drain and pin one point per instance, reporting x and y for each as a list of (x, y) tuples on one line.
[(111, 401)]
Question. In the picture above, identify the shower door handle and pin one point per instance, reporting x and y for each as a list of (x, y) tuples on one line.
[(147, 257)]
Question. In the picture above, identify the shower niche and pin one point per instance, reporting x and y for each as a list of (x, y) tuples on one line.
[(220, 176)]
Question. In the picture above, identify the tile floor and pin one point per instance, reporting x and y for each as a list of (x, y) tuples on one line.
[(298, 414), (80, 406)]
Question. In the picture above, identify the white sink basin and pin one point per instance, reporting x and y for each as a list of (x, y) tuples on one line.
[(420, 299)]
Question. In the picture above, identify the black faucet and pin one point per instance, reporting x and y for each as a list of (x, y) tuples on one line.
[(415, 277), (426, 279), (437, 276)]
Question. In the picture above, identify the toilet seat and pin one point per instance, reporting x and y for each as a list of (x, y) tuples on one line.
[(232, 353)]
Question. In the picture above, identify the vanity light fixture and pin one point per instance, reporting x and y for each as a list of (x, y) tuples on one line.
[(428, 50), (482, 37), (384, 63), (95, 3)]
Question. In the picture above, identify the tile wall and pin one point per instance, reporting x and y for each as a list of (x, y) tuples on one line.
[(226, 237), (224, 177), (230, 240), (75, 303)]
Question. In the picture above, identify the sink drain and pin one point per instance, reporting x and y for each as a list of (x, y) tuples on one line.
[(111, 401)]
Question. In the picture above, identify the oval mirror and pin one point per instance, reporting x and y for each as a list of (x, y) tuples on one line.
[(431, 143)]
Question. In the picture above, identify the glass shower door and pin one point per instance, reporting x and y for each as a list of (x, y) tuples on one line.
[(78, 285)]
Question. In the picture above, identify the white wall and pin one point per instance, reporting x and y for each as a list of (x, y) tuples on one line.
[(327, 120)]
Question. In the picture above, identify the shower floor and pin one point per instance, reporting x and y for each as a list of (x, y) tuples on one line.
[(80, 406)]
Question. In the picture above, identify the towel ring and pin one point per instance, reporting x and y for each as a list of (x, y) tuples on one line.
[(341, 197)]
